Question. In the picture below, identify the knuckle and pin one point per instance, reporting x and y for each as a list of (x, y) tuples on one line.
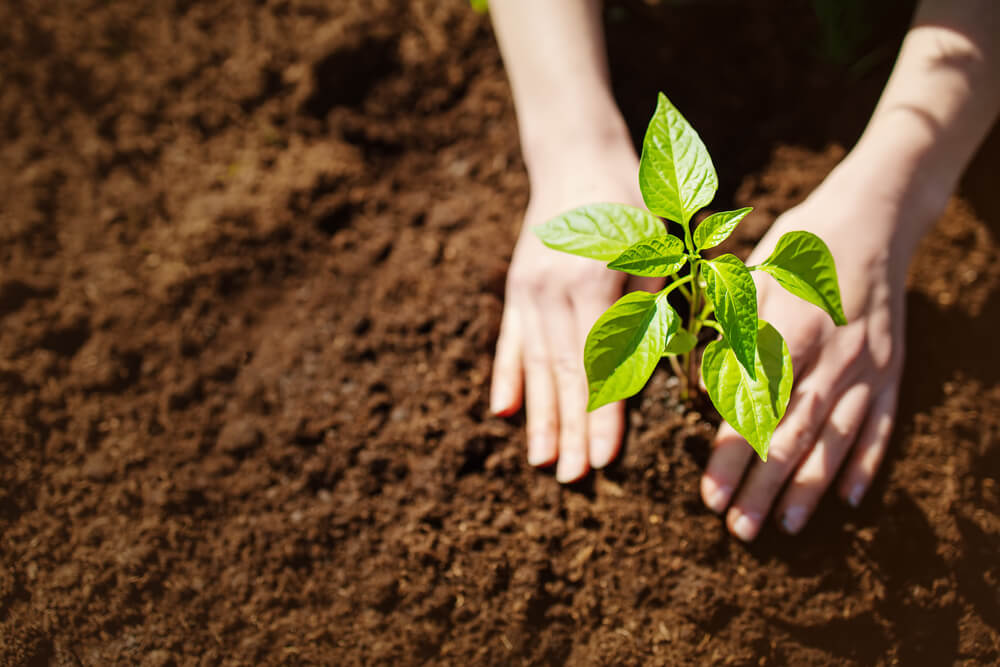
[(525, 282), (854, 347), (585, 276), (784, 454), (888, 356), (794, 440), (807, 336), (536, 360), (565, 365)]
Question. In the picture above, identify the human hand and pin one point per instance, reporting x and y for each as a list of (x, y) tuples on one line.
[(552, 301), (846, 378)]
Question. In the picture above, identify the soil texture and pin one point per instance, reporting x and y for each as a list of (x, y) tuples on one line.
[(252, 261)]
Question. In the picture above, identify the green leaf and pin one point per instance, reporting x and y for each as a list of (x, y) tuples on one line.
[(676, 175), (662, 256), (803, 265), (599, 231), (625, 344), (730, 287), (717, 227), (481, 6), (681, 342), (752, 406)]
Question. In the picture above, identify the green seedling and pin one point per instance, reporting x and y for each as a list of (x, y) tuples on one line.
[(747, 371)]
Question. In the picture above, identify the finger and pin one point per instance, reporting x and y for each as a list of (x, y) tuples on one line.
[(820, 466), (793, 437), (508, 377), (725, 468), (733, 454), (571, 389), (871, 446), (541, 405), (606, 424)]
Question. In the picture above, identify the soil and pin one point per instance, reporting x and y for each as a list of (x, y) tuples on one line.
[(252, 258)]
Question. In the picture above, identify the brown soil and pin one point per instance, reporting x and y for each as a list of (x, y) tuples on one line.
[(251, 269)]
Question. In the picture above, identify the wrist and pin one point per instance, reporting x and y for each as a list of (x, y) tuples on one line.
[(903, 176), (555, 137), (903, 156)]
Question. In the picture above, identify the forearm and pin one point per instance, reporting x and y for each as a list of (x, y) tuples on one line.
[(939, 104), (554, 54)]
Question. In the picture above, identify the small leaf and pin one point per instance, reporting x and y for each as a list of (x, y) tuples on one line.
[(717, 227), (730, 287), (676, 174), (599, 231), (681, 342), (752, 406), (662, 256), (625, 344), (803, 265)]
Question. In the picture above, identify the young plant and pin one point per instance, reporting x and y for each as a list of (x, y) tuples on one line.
[(748, 370)]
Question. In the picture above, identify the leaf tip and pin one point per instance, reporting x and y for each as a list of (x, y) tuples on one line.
[(594, 401)]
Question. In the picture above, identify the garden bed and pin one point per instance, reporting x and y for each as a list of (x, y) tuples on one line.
[(252, 262)]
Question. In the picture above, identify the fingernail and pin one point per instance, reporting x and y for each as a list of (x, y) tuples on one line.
[(570, 468), (716, 496), (540, 450), (601, 452), (535, 458), (856, 494), (498, 402), (794, 519), (746, 525)]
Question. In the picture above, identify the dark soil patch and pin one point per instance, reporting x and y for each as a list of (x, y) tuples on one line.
[(251, 269)]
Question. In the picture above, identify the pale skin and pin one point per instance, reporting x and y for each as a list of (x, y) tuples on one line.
[(941, 100)]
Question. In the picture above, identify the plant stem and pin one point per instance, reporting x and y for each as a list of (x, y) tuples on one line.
[(686, 292), (694, 325), (679, 283), (678, 369), (688, 241), (679, 372)]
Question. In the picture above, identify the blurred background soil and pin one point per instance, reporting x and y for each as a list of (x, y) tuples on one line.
[(251, 272)]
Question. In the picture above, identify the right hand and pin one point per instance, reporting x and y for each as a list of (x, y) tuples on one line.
[(552, 301)]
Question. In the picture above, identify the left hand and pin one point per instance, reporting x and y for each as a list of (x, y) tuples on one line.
[(846, 378)]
